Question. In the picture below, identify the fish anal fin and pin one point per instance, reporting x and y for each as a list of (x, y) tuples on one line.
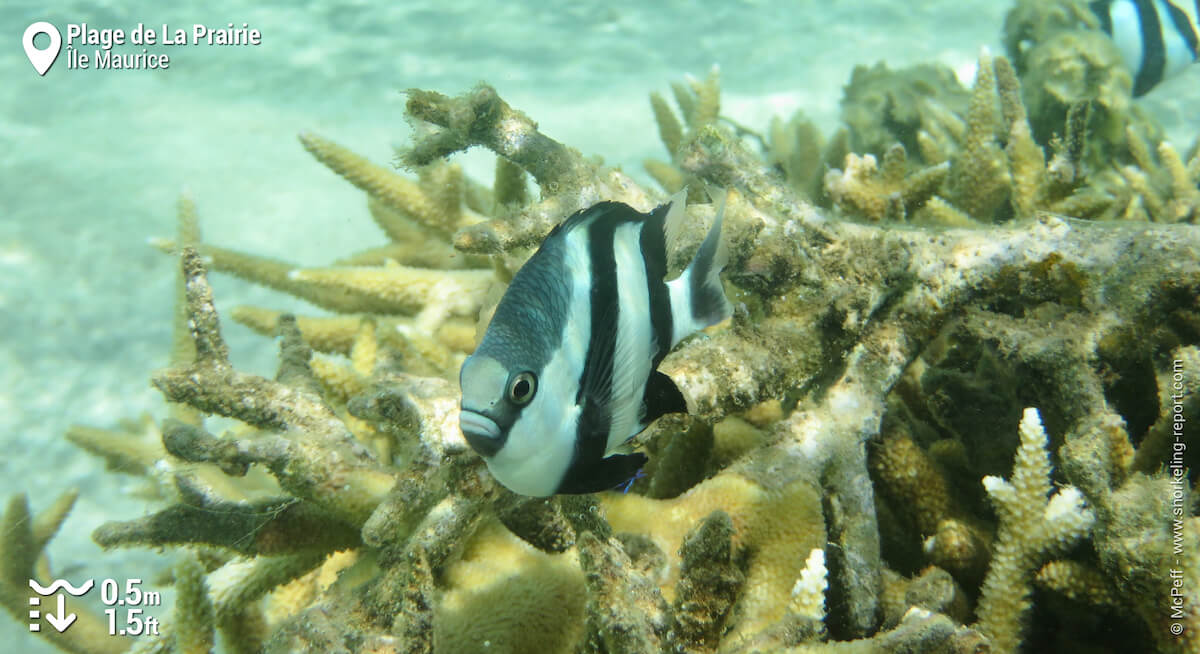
[(601, 474)]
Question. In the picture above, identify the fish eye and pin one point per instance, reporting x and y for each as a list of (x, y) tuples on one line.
[(522, 388)]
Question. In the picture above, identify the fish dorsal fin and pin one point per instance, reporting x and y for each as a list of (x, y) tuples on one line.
[(706, 296), (721, 257), (662, 397), (673, 225), (697, 296)]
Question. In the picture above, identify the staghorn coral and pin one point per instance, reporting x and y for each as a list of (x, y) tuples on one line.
[(799, 151), (193, 608), (1066, 62), (885, 192), (1161, 187), (982, 164), (808, 595), (921, 491), (23, 540), (919, 147), (1078, 582), (699, 104), (768, 539), (1033, 525), (418, 284)]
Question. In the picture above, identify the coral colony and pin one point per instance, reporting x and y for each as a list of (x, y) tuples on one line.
[(945, 415)]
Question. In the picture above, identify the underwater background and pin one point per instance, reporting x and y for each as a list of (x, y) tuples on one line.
[(92, 164)]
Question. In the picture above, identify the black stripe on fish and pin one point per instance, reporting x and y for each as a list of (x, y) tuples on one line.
[(661, 396), (1157, 38), (595, 386), (1183, 25), (1103, 11), (654, 254), (590, 470), (1154, 55), (613, 318)]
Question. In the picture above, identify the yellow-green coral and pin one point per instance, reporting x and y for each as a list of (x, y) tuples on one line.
[(436, 202), (1034, 524), (23, 540), (771, 524), (503, 595), (884, 192), (986, 160), (920, 490), (699, 104), (193, 610), (1078, 582)]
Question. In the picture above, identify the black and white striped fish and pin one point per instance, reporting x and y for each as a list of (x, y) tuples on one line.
[(567, 369), (1157, 38)]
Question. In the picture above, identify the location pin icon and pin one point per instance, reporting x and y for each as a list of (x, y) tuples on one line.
[(42, 60)]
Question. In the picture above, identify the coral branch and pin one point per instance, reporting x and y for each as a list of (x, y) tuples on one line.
[(23, 539), (626, 613), (265, 527), (709, 582), (1033, 525), (480, 117)]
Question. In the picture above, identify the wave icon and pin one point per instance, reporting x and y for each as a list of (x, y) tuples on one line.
[(61, 584)]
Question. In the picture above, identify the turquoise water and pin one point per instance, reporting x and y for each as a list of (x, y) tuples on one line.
[(92, 161)]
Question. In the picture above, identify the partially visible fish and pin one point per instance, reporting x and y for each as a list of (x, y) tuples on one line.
[(1157, 38), (567, 370)]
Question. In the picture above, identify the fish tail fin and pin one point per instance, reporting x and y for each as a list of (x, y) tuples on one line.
[(697, 296)]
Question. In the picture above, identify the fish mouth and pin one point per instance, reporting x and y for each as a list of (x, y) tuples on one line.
[(483, 434)]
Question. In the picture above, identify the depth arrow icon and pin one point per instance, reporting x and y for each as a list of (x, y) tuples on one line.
[(58, 620)]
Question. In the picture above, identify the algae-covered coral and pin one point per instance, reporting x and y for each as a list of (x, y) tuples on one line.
[(862, 469)]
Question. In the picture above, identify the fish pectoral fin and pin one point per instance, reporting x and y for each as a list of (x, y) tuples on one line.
[(602, 474), (662, 396)]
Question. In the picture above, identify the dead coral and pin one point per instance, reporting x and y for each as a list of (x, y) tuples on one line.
[(922, 103), (1063, 259), (568, 181), (1064, 59)]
